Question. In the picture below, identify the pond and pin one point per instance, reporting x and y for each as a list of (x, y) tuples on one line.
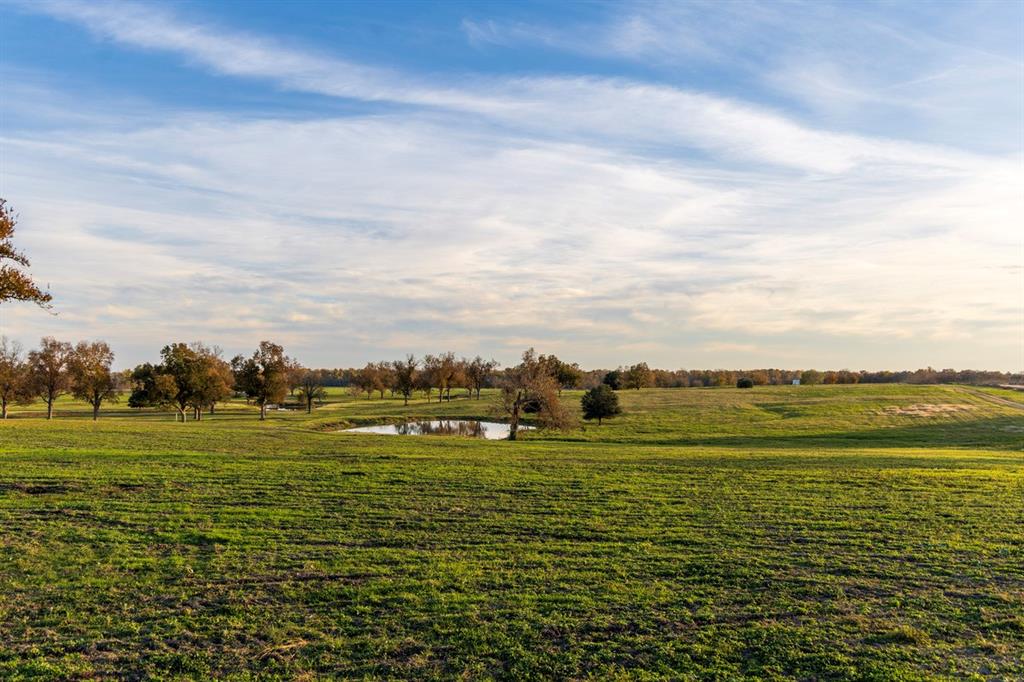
[(442, 427)]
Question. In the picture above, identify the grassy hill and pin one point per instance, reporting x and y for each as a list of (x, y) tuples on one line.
[(848, 532)]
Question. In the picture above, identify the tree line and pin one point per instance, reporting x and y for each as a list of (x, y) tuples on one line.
[(193, 378)]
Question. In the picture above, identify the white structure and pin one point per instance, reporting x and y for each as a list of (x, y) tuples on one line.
[(796, 382)]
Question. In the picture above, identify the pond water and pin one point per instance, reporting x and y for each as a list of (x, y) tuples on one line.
[(442, 427)]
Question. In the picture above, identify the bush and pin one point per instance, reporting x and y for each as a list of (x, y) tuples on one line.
[(745, 382)]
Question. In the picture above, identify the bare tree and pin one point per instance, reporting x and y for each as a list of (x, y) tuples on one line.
[(90, 375), (479, 373), (48, 367), (311, 390), (15, 284)]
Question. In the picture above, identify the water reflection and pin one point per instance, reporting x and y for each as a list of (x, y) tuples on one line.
[(442, 427)]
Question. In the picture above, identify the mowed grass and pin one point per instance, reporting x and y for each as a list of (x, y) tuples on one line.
[(842, 532)]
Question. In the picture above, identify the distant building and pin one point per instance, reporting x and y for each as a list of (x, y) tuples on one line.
[(796, 382)]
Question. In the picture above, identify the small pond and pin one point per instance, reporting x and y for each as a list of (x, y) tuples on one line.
[(442, 427)]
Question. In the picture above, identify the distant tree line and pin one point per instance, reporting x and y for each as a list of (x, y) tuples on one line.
[(639, 376), (193, 378)]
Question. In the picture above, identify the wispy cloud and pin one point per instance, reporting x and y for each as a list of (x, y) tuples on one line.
[(582, 214)]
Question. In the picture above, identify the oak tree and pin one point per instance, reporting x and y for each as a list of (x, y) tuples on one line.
[(15, 283), (90, 375), (48, 371)]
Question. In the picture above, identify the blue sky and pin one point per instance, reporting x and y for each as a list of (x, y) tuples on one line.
[(690, 184)]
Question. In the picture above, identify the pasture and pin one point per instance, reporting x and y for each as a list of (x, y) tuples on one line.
[(841, 532)]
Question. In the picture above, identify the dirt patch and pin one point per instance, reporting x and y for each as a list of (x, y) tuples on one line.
[(928, 409), (37, 488)]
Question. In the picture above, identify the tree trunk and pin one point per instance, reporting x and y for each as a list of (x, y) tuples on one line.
[(49, 408), (309, 406), (598, 421), (3, 408), (513, 426), (263, 411), (211, 407), (95, 411), (406, 396)]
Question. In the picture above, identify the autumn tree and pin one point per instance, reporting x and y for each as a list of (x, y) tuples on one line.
[(15, 283), (264, 376), (212, 379), (530, 384), (91, 378), (14, 376), (478, 373), (600, 402), (385, 379), (638, 376), (48, 371), (405, 374), (369, 380), (311, 389)]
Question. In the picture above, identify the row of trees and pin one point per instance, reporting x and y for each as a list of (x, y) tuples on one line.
[(55, 369), (445, 372), (641, 377)]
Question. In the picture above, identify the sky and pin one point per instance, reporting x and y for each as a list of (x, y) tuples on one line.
[(690, 184)]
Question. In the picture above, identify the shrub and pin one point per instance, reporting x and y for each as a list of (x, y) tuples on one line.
[(745, 382)]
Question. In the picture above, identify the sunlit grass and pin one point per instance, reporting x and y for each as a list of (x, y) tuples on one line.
[(792, 531)]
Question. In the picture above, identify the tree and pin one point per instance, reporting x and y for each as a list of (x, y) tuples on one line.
[(566, 375), (14, 378), (15, 284), (530, 383), (212, 379), (311, 389), (174, 382), (90, 376), (613, 379), (600, 402), (264, 376), (443, 372), (385, 379), (478, 373), (810, 377), (369, 379), (405, 374), (745, 382), (48, 370), (638, 376), (151, 387)]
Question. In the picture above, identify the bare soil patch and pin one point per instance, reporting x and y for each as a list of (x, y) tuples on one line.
[(928, 409)]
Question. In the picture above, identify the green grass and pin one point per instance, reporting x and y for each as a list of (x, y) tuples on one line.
[(810, 532)]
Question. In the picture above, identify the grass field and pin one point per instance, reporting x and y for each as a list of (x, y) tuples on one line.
[(841, 532)]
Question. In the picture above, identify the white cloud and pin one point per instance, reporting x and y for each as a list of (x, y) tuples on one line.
[(589, 216)]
